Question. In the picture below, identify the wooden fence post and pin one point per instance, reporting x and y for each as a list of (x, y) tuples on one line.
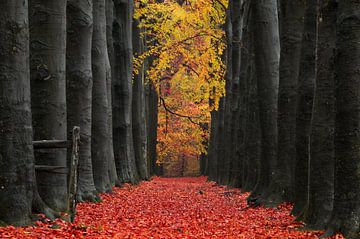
[(73, 173)]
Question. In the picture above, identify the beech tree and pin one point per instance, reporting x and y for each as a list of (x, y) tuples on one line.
[(291, 29), (304, 107), (79, 82), (16, 152), (138, 109), (266, 49), (100, 139), (109, 78), (122, 98), (48, 94), (345, 215), (321, 185)]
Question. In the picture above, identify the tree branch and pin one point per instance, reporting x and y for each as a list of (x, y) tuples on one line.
[(177, 114)]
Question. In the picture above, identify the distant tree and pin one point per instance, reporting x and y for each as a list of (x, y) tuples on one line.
[(139, 104)]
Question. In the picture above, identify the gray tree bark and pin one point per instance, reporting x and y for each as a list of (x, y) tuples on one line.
[(291, 28), (267, 59), (346, 212), (109, 78), (122, 97), (305, 96), (16, 151), (79, 88), (100, 139), (48, 94), (321, 167), (138, 109)]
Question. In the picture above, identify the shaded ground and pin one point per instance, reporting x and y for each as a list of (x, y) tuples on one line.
[(170, 208)]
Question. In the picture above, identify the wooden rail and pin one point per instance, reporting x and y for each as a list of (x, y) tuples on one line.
[(72, 171)]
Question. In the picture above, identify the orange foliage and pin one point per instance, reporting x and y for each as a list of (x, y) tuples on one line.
[(187, 42)]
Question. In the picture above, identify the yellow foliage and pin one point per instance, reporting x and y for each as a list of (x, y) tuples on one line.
[(186, 43)]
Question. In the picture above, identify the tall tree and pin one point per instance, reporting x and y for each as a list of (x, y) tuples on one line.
[(79, 88), (48, 93), (138, 109), (122, 98), (152, 100), (225, 145), (237, 19), (346, 212), (304, 106), (267, 50), (321, 183), (16, 151), (109, 78), (100, 139), (291, 29)]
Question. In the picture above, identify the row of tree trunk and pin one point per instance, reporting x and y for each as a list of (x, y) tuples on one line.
[(288, 128), (64, 64)]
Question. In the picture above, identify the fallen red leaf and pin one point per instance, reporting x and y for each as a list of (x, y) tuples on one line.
[(170, 208)]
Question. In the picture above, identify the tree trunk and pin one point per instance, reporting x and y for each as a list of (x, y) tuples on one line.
[(138, 110), (109, 78), (225, 145), (252, 132), (212, 152), (152, 122), (79, 88), (122, 103), (267, 58), (321, 183), (305, 96), (100, 139), (282, 185), (237, 25), (346, 213), (48, 94), (16, 151)]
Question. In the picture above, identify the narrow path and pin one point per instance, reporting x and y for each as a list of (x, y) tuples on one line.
[(170, 208)]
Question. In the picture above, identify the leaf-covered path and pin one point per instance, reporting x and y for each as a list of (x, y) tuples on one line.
[(170, 208)]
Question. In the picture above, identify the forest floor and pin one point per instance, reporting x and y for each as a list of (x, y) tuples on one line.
[(170, 208)]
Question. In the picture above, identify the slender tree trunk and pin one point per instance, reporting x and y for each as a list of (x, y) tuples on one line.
[(237, 25), (122, 104), (138, 110), (152, 122), (16, 151), (79, 88), (267, 58), (212, 162), (282, 185), (100, 139), (245, 169), (346, 212), (321, 183), (109, 78), (225, 145), (252, 131), (305, 96), (220, 142)]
